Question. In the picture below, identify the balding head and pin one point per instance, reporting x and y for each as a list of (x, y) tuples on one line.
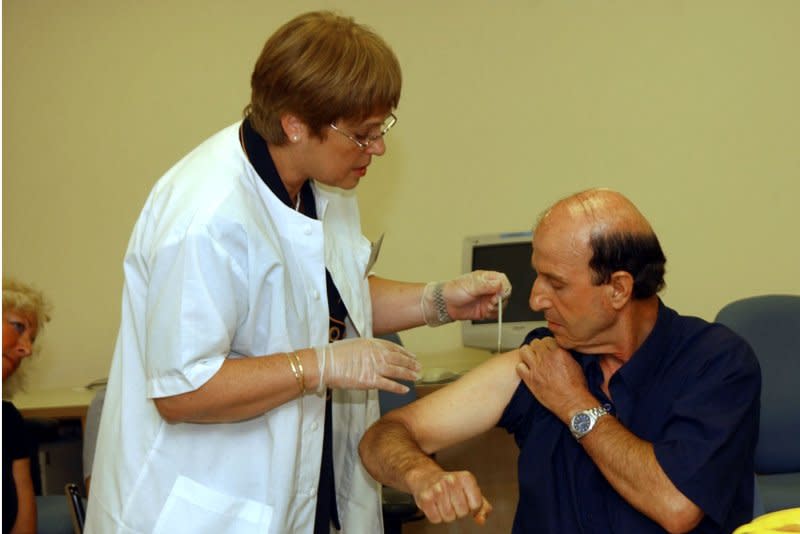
[(597, 211), (617, 235)]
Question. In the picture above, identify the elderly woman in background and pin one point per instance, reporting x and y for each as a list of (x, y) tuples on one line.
[(246, 371), (25, 311)]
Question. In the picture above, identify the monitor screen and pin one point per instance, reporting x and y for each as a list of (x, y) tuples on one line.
[(509, 253)]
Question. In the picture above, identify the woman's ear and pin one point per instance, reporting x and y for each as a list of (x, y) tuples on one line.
[(621, 285), (294, 128)]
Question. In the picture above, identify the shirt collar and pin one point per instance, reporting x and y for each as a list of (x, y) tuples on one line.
[(257, 152), (641, 366)]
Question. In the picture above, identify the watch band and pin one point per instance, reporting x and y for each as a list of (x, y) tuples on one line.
[(441, 305)]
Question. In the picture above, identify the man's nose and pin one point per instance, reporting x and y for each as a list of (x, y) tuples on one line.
[(537, 301)]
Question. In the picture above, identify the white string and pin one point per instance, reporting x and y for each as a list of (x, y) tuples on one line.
[(499, 322)]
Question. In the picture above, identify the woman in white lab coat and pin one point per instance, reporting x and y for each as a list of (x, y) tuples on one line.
[(245, 371)]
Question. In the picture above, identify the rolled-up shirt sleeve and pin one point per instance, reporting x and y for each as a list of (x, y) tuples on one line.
[(713, 426), (196, 295)]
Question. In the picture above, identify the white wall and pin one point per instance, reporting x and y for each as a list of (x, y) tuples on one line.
[(690, 108)]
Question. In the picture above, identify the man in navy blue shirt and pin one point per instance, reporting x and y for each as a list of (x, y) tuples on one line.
[(630, 417)]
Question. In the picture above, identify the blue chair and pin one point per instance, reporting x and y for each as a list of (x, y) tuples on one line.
[(398, 507), (53, 515), (771, 324)]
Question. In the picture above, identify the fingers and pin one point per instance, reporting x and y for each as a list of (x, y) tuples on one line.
[(394, 362), (386, 373), (550, 343), (451, 497), (391, 386), (366, 363), (485, 283), (482, 513), (505, 287), (388, 346), (494, 283), (523, 371), (526, 354), (399, 364)]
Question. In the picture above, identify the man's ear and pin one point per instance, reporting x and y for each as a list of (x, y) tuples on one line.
[(294, 128), (621, 285)]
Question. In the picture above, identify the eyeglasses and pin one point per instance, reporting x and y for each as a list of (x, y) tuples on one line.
[(365, 141)]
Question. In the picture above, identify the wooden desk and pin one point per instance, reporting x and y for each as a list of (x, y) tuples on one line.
[(58, 403), (492, 458)]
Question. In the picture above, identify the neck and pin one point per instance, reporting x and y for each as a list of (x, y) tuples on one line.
[(630, 331), (293, 178)]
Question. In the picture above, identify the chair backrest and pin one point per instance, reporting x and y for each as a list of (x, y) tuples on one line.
[(771, 325), (77, 507)]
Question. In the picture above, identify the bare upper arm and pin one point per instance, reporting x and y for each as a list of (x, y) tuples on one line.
[(462, 409), (26, 499)]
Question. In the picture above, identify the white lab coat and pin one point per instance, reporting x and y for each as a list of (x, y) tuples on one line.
[(218, 267)]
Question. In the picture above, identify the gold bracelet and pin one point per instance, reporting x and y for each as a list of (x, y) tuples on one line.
[(296, 374), (302, 379)]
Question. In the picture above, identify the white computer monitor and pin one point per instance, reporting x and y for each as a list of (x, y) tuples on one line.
[(509, 253)]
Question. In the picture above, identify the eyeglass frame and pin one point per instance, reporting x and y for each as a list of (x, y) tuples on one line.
[(364, 145)]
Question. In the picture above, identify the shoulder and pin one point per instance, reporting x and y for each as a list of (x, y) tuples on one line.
[(537, 333), (209, 195), (712, 347), (199, 186), (10, 413), (21, 445)]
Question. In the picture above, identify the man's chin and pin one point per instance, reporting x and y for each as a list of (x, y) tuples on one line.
[(563, 341)]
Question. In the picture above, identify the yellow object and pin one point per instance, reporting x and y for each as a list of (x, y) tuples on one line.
[(781, 521)]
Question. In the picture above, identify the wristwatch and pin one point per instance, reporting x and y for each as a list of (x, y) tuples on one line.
[(583, 422)]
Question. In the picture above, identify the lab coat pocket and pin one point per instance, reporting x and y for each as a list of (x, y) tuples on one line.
[(194, 508)]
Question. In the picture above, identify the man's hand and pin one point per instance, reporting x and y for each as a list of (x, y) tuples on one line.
[(553, 376), (446, 496)]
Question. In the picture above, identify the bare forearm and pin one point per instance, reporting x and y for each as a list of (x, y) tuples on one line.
[(395, 305), (391, 439), (242, 389), (631, 467)]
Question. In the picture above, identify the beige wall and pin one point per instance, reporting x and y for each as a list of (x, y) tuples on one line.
[(690, 108)]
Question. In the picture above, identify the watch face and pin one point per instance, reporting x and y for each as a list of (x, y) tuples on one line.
[(581, 423)]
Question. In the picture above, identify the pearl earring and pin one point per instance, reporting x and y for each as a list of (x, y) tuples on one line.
[(295, 138)]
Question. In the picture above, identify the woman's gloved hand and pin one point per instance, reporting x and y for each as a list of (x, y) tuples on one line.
[(365, 363), (470, 296)]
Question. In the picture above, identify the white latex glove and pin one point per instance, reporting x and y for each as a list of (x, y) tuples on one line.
[(470, 296), (365, 363)]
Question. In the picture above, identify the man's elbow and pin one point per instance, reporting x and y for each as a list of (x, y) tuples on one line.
[(367, 446), (682, 518)]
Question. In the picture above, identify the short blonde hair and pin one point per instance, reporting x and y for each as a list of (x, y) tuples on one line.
[(22, 297), (321, 67)]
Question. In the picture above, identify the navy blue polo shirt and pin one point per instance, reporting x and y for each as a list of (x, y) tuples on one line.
[(692, 389)]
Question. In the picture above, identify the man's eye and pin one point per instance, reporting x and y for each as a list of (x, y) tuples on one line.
[(19, 327), (556, 285)]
